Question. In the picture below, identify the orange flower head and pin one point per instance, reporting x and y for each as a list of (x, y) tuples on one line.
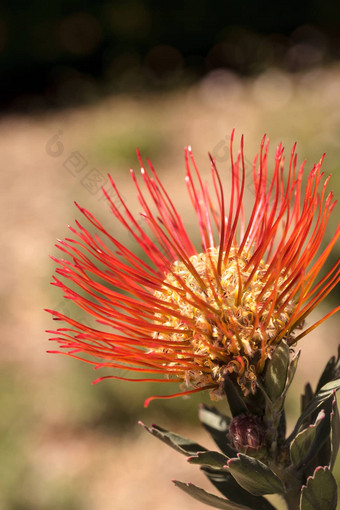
[(198, 316)]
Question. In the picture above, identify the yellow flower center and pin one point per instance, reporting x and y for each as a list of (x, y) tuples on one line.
[(227, 323)]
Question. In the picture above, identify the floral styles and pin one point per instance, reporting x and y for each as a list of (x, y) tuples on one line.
[(197, 314)]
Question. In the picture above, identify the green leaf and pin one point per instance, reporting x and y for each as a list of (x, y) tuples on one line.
[(254, 476), (228, 486), (279, 374), (179, 443), (306, 397), (331, 371), (217, 425), (211, 417), (302, 442), (275, 376), (335, 432), (320, 493), (320, 451), (208, 498), (318, 400), (235, 399), (210, 458), (292, 369)]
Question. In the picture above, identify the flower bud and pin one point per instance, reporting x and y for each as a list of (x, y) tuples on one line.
[(247, 433)]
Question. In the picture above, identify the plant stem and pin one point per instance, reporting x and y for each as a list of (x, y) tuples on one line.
[(292, 499), (293, 484)]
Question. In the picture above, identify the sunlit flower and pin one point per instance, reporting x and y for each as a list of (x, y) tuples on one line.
[(196, 315)]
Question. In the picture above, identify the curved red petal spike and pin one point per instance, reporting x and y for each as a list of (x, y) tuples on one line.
[(174, 395)]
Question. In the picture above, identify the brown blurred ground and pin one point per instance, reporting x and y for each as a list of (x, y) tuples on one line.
[(66, 444)]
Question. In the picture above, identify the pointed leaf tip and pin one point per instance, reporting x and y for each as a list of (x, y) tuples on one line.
[(177, 442), (331, 371), (318, 400), (209, 458)]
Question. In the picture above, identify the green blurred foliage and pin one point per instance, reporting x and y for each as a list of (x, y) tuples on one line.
[(119, 147)]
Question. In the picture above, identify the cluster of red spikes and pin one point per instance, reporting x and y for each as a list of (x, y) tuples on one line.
[(285, 229)]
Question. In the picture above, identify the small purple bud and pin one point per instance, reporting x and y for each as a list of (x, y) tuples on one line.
[(247, 433)]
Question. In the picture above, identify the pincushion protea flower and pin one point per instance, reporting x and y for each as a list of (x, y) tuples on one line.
[(198, 315)]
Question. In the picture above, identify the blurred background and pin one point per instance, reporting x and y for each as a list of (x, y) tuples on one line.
[(82, 85)]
